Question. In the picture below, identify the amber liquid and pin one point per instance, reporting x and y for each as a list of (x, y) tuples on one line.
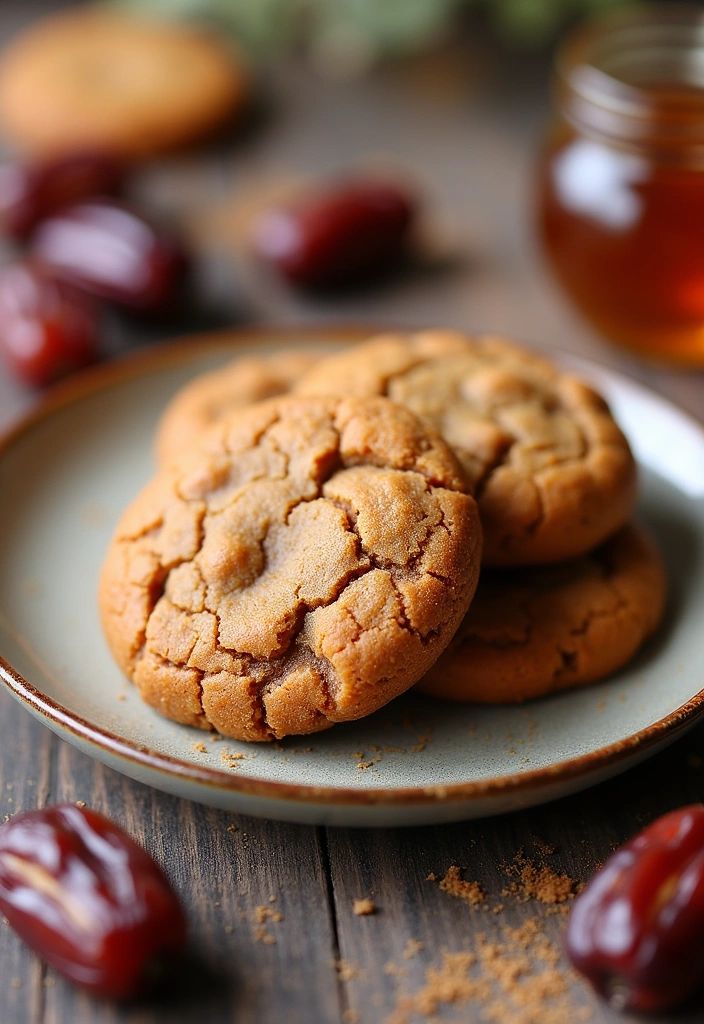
[(624, 233)]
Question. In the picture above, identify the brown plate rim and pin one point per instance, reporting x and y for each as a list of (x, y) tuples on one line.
[(151, 360)]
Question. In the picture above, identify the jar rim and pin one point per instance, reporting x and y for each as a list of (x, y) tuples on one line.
[(621, 73)]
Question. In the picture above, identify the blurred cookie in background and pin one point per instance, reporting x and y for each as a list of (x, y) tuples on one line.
[(96, 79)]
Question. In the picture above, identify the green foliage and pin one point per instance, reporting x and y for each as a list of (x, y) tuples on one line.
[(361, 30)]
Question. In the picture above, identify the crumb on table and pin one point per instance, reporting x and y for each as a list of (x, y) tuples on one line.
[(364, 907)]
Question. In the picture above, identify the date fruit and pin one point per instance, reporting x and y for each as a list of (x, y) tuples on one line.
[(88, 899), (345, 235), (47, 329), (30, 192), (113, 253), (637, 930)]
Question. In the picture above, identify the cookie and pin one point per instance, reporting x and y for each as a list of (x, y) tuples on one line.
[(551, 471), (302, 565), (96, 79), (531, 632), (211, 396)]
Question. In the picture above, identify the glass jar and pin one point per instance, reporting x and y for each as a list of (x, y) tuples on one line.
[(621, 198)]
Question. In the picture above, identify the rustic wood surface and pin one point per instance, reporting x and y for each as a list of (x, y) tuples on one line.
[(466, 124)]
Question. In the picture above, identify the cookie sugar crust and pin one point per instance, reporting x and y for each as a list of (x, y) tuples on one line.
[(303, 565), (551, 471)]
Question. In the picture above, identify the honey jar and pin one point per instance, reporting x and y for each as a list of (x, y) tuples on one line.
[(621, 181)]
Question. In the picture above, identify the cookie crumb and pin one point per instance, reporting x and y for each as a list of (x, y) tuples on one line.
[(200, 748), (539, 883), (413, 947), (263, 914), (545, 848), (432, 877), (449, 984), (80, 803), (262, 935), (232, 760), (347, 971), (560, 908), (393, 970), (514, 981), (232, 828), (455, 885), (364, 907)]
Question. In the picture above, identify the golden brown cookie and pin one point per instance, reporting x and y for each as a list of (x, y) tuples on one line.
[(551, 471), (211, 396), (530, 632), (96, 79), (302, 566)]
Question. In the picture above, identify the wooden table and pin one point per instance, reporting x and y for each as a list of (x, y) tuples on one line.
[(466, 124)]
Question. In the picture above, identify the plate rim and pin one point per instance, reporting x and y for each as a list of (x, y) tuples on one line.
[(143, 362)]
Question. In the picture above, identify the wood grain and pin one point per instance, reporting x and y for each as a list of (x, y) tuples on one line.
[(467, 124)]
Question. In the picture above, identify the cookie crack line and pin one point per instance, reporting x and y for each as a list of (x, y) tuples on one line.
[(552, 405), (352, 574), (424, 638), (386, 565)]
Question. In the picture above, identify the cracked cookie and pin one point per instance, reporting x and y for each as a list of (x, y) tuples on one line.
[(96, 79), (211, 396), (551, 471), (304, 564), (531, 632)]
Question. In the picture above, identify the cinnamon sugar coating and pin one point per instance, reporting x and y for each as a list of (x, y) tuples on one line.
[(303, 565), (551, 471)]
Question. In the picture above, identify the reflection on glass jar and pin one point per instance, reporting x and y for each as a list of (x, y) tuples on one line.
[(621, 201)]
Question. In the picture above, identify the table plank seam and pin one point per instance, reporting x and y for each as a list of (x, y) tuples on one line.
[(342, 989)]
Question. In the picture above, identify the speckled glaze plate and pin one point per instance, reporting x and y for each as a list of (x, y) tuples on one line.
[(69, 469)]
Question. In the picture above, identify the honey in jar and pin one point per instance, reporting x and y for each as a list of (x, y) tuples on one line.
[(621, 198)]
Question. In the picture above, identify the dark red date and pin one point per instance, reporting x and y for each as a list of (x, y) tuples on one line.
[(88, 899), (47, 329), (32, 191), (342, 236), (113, 253), (637, 930)]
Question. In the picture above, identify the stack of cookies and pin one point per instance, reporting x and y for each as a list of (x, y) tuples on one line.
[(311, 546)]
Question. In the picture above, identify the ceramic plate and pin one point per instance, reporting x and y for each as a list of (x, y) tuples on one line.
[(67, 472)]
